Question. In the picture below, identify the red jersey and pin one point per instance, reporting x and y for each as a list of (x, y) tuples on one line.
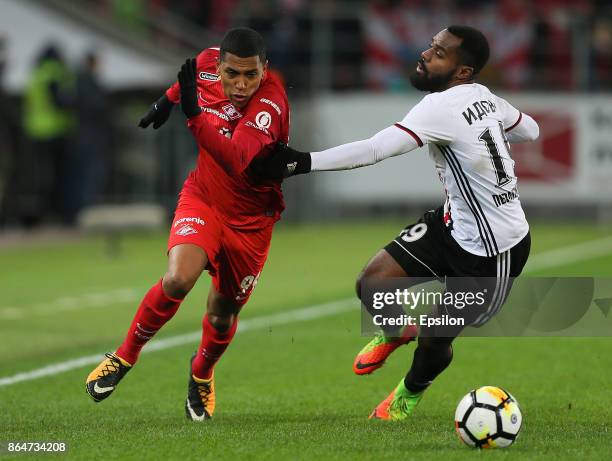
[(228, 139)]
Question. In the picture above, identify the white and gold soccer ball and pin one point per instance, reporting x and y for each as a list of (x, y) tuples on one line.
[(488, 417)]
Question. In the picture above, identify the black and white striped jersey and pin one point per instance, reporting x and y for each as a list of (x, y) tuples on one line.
[(466, 129)]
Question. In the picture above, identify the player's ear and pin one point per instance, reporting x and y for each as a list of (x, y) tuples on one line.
[(465, 73), (218, 66), (265, 68)]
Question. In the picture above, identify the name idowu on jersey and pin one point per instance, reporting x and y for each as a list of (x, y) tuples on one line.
[(465, 128)]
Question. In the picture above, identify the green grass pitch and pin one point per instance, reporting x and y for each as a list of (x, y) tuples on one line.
[(283, 391)]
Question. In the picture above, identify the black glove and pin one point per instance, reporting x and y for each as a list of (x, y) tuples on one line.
[(282, 163), (158, 113), (189, 88)]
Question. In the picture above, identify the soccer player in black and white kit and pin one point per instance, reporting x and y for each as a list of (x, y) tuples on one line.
[(480, 232)]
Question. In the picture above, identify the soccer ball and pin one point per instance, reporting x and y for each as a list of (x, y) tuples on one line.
[(488, 417)]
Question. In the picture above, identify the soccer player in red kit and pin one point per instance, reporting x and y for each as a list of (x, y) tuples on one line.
[(237, 111)]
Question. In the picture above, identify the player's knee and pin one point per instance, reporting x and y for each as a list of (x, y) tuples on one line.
[(177, 284), (221, 311), (221, 323), (358, 285), (371, 271)]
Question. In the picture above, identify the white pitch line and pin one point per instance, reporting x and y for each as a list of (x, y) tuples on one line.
[(539, 261), (570, 254), (257, 323), (72, 303)]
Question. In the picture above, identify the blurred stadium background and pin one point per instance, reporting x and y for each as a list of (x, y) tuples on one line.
[(345, 64)]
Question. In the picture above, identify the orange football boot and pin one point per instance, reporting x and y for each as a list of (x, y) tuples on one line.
[(374, 354)]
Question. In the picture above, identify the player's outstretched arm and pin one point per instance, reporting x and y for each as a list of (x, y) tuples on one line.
[(519, 127), (158, 113), (286, 161), (525, 129)]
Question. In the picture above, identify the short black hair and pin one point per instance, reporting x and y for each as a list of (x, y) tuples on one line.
[(244, 43), (474, 48)]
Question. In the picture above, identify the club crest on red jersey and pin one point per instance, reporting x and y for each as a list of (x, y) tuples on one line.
[(231, 112), (186, 230), (247, 285)]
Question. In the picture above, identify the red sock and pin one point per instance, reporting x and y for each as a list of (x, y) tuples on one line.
[(211, 348), (155, 310)]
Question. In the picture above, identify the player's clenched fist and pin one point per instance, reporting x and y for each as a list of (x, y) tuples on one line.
[(189, 90)]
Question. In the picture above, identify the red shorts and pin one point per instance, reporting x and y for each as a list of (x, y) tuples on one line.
[(235, 258)]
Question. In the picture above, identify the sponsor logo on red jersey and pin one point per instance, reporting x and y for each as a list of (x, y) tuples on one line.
[(263, 119), (194, 220), (208, 76), (273, 104), (208, 110)]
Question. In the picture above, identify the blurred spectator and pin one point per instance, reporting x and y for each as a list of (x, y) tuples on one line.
[(48, 124), (93, 139), (509, 29), (540, 61), (557, 29), (348, 43), (9, 129), (394, 34), (534, 44), (219, 17), (302, 36), (196, 11), (278, 26), (601, 54), (531, 42), (214, 15), (131, 14)]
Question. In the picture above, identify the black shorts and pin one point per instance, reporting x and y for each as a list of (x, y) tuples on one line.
[(426, 249)]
